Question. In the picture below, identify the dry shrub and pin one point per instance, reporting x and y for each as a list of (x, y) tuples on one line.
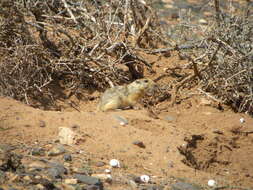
[(221, 54), (53, 46), (229, 72)]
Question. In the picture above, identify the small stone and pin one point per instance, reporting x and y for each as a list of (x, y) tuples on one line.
[(100, 164), (166, 54), (139, 144), (137, 179), (70, 181), (86, 171), (122, 121), (54, 173), (67, 136), (27, 178), (114, 163), (217, 131), (88, 180), (107, 171), (171, 164), (242, 120), (184, 186), (211, 183), (40, 187), (67, 157), (75, 126), (145, 178), (42, 123), (55, 151), (169, 118), (38, 152), (68, 187), (56, 170), (106, 177), (47, 184), (93, 187)]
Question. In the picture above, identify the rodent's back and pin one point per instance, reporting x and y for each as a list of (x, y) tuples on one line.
[(112, 97), (124, 96)]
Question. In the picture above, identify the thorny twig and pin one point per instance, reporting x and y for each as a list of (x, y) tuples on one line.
[(69, 11), (226, 60), (217, 11), (73, 53)]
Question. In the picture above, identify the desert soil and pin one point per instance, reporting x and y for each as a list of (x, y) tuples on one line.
[(192, 141)]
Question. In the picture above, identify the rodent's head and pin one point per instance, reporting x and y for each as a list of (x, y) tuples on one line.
[(147, 85)]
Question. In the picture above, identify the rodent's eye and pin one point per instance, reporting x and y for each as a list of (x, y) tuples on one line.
[(146, 80)]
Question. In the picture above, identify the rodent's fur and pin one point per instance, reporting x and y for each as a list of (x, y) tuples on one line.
[(120, 97)]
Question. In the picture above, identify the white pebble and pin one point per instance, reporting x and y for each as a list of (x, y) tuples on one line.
[(114, 163), (183, 145), (145, 178), (211, 183), (242, 120), (122, 123), (107, 171)]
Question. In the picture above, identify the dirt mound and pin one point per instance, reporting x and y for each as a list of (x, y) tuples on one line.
[(220, 150), (224, 153)]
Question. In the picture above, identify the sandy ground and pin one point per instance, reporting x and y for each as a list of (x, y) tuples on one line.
[(213, 144), (192, 140)]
